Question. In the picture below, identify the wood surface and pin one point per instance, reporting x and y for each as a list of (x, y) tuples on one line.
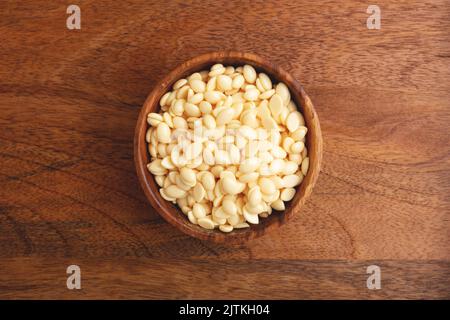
[(69, 194), (172, 213)]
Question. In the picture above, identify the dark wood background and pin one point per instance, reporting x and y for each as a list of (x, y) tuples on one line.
[(69, 102)]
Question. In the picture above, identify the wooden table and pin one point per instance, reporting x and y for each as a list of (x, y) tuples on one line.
[(69, 101)]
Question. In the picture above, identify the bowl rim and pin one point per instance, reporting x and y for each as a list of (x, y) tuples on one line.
[(146, 180)]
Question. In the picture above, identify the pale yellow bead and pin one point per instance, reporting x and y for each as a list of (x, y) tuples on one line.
[(278, 205), (266, 185), (287, 194), (292, 180), (224, 83), (174, 192), (163, 133), (265, 81), (238, 81), (249, 73), (213, 96), (206, 223), (225, 116), (197, 85), (305, 166)]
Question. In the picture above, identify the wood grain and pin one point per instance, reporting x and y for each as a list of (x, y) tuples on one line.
[(69, 102), (147, 278)]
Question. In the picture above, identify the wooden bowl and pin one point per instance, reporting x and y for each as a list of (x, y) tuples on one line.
[(170, 212)]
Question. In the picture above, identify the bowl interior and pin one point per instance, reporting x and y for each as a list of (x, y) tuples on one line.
[(171, 212)]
